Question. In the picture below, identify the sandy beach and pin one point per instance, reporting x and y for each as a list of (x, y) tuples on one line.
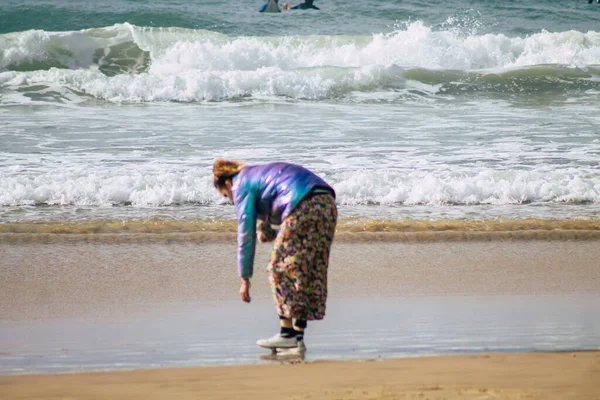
[(58, 278), (495, 376), (458, 319)]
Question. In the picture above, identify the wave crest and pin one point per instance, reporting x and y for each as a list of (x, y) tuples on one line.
[(129, 63), (169, 188)]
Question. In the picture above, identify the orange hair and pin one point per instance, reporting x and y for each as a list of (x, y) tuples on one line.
[(224, 170)]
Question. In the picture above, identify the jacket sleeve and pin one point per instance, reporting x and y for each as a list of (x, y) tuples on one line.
[(246, 235)]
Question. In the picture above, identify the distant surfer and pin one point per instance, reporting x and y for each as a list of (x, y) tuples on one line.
[(271, 7), (307, 5)]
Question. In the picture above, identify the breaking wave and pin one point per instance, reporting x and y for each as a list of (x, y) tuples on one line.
[(194, 186), (126, 63)]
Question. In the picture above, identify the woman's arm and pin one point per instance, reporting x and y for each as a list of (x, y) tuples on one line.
[(246, 235)]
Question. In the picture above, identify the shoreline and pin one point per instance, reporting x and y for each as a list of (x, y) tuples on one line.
[(349, 230), (344, 225), (563, 375)]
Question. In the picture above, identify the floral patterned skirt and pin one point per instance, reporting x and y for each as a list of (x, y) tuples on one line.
[(298, 264)]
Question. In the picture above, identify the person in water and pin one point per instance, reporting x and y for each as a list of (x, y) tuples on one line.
[(307, 5), (274, 6), (303, 205)]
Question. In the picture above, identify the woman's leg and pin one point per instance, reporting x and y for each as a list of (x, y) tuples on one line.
[(323, 214), (286, 328), (291, 327), (299, 261), (283, 269), (299, 327)]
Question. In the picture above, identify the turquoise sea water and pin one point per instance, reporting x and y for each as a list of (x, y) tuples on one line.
[(240, 17), (461, 109)]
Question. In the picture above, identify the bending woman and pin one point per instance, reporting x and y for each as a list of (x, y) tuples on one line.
[(303, 205)]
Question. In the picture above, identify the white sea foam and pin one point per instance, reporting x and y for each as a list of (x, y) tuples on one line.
[(128, 63), (165, 187), (484, 187)]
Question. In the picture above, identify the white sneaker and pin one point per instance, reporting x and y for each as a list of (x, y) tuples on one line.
[(294, 352), (278, 342)]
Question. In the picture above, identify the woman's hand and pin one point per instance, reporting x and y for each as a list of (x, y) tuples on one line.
[(265, 232), (245, 290)]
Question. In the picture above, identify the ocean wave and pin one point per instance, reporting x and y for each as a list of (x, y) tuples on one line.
[(160, 188), (126, 63), (112, 50)]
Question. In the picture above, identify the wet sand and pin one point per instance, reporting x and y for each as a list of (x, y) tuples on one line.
[(147, 304), (40, 280), (494, 376)]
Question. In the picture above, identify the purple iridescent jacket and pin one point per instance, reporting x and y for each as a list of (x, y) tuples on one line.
[(268, 192)]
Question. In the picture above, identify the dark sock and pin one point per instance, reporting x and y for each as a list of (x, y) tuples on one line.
[(287, 332), (299, 335)]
